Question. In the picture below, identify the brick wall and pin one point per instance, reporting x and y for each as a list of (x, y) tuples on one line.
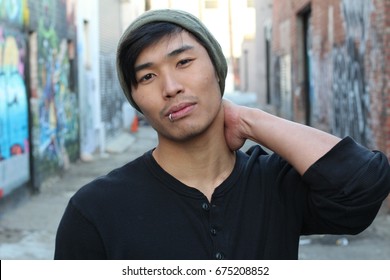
[(340, 81), (385, 17)]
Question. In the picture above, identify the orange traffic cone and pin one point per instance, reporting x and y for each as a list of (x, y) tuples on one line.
[(134, 125)]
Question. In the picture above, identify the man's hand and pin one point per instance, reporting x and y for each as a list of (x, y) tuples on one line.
[(234, 126), (299, 144)]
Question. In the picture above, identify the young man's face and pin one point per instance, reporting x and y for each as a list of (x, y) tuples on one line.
[(178, 89)]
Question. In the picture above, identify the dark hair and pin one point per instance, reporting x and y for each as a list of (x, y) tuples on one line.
[(143, 37), (148, 29)]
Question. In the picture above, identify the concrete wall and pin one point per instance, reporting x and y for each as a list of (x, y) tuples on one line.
[(248, 63), (89, 77), (111, 95)]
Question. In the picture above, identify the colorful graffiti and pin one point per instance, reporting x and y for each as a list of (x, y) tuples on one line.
[(14, 11), (55, 112), (14, 132)]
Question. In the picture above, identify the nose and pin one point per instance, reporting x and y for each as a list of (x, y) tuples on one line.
[(172, 85)]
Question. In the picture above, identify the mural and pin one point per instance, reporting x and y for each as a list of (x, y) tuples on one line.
[(54, 114), (350, 77), (55, 123), (13, 11), (14, 134), (351, 98)]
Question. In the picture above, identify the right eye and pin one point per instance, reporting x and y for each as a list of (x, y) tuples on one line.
[(146, 78)]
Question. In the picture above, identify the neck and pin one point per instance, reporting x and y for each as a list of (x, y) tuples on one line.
[(202, 163)]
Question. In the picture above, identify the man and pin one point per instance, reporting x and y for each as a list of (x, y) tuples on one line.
[(196, 195)]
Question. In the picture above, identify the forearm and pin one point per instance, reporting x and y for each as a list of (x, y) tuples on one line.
[(299, 144)]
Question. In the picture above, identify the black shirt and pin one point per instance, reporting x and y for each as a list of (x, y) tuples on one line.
[(139, 211)]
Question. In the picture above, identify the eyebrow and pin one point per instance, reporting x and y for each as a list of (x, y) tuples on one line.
[(171, 54), (180, 50)]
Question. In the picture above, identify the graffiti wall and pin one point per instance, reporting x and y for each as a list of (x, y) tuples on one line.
[(54, 100), (38, 85), (349, 79), (14, 128), (351, 101), (13, 11), (351, 98)]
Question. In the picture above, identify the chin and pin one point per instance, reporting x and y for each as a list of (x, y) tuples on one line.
[(186, 133)]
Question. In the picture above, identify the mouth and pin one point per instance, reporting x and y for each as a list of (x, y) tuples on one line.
[(180, 111)]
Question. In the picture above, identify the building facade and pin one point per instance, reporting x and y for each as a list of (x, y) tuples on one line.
[(88, 77), (330, 61), (60, 98), (14, 108), (38, 91)]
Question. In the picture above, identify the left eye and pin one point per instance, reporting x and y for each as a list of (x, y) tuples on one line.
[(147, 77), (184, 62)]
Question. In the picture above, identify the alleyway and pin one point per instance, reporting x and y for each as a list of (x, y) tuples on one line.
[(28, 230)]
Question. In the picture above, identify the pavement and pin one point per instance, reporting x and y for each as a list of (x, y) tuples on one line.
[(28, 228)]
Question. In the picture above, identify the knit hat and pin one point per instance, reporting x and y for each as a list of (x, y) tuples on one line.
[(188, 22)]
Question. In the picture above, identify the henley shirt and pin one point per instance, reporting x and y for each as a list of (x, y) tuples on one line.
[(139, 211)]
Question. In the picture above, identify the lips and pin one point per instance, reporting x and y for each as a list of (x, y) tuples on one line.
[(180, 111)]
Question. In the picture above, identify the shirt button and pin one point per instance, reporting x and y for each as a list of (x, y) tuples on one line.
[(213, 231), (219, 256), (206, 206)]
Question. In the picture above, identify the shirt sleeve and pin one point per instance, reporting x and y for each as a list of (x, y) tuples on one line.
[(346, 189), (77, 238)]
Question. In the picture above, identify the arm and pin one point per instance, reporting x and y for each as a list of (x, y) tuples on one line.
[(346, 189), (77, 238), (300, 145), (346, 183)]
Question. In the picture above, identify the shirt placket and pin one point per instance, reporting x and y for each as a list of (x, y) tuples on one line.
[(216, 233)]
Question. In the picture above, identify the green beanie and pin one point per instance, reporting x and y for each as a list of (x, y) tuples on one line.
[(188, 22)]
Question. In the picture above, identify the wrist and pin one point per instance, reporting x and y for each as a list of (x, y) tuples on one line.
[(250, 119)]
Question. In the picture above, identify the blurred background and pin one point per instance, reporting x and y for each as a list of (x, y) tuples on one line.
[(324, 63)]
